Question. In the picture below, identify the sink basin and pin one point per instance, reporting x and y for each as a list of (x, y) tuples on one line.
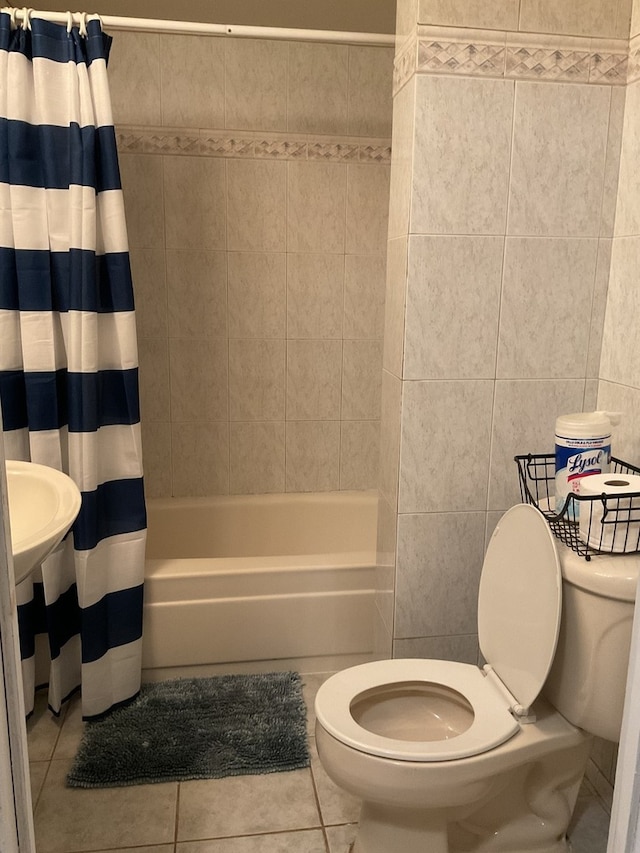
[(43, 504)]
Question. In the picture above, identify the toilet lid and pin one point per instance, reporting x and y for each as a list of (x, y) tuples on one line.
[(520, 602)]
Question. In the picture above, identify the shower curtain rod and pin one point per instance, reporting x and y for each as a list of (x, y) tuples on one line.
[(152, 25)]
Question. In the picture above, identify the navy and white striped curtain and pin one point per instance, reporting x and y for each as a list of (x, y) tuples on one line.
[(68, 357)]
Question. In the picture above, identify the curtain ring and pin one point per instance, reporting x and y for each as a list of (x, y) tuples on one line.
[(13, 16), (69, 21), (83, 24), (26, 18)]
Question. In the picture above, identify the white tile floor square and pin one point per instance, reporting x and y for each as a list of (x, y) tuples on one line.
[(297, 812)]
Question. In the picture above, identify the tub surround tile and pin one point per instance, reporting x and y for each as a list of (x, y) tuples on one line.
[(200, 459), (478, 53), (361, 378), (245, 805), (156, 450), (364, 295), (545, 311), (587, 18), (312, 456), (394, 308), (315, 296), (316, 207), (439, 563), (367, 195), (453, 282), (153, 360), (256, 84), (402, 160), (549, 58), (461, 155), (257, 294), (198, 394), (359, 454), (390, 425), (443, 462), (314, 379), (150, 292), (627, 221), (256, 458), (370, 91), (201, 181), (142, 184), (134, 78), (524, 416), (256, 380), (621, 349), (613, 187), (192, 81), (318, 88), (598, 308), (485, 14), (197, 294), (256, 205), (557, 179)]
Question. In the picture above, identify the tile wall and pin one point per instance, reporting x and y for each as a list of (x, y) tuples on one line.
[(256, 183), (506, 153)]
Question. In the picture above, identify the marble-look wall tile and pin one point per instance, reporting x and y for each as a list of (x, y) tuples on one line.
[(199, 379), (390, 426), (134, 78), (406, 19), (557, 179), (256, 84), (370, 91), (257, 294), (386, 560), (367, 196), (192, 80), (635, 20), (316, 212), (256, 206), (142, 185), (404, 117), (312, 456), (197, 288), (317, 88), (444, 449), (612, 185), (439, 563), (461, 155), (613, 397), (364, 293), (598, 308), (627, 221), (453, 283), (156, 452), (359, 454), (456, 647), (620, 360), (256, 458), (584, 18), (361, 380), (623, 19), (153, 360), (314, 380), (394, 309), (524, 419), (200, 459), (315, 296), (545, 310), (150, 292), (194, 215), (256, 380), (480, 14)]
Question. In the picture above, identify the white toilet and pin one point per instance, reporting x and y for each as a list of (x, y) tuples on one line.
[(448, 757)]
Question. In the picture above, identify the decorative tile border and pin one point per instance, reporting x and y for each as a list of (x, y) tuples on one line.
[(633, 70), (208, 143), (515, 56)]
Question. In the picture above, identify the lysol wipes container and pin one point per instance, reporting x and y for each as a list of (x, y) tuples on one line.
[(583, 447)]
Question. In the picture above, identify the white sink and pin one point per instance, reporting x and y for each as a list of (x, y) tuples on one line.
[(43, 504)]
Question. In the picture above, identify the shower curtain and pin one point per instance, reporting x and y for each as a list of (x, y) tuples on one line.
[(68, 357)]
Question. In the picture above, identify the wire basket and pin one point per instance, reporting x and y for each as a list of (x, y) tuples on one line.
[(620, 517)]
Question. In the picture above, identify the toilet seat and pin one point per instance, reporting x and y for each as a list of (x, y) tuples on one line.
[(492, 725), (519, 610)]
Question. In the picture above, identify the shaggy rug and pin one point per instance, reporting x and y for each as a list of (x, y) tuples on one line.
[(197, 728)]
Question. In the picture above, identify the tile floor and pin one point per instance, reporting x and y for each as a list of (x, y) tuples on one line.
[(297, 812)]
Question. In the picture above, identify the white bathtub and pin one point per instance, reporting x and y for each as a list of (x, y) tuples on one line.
[(259, 581)]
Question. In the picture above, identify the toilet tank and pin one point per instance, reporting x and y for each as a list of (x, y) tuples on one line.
[(589, 672)]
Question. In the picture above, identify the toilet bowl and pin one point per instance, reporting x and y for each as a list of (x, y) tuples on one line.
[(450, 757)]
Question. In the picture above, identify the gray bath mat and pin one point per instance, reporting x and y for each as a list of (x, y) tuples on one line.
[(197, 728)]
